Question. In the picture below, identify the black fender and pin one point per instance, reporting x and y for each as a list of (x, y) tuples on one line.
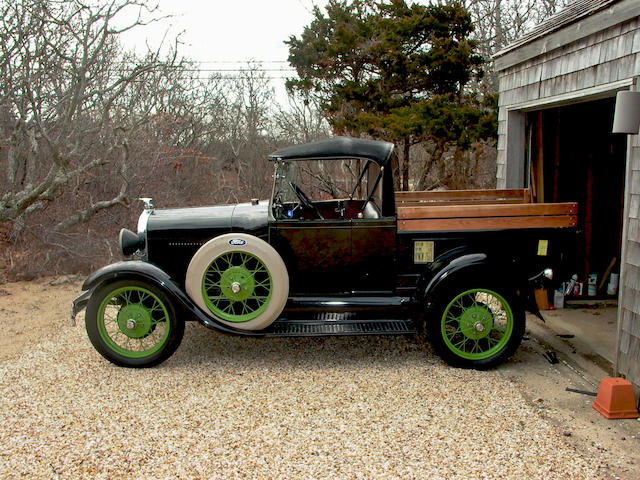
[(463, 266), (454, 269), (149, 273)]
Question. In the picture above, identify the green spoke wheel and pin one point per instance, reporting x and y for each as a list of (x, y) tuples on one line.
[(237, 286), (132, 324), (477, 324), (477, 328)]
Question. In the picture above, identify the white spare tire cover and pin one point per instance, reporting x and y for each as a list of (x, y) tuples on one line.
[(240, 280)]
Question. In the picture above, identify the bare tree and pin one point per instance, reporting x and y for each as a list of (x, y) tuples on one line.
[(177, 147), (500, 22), (248, 131), (65, 102), (302, 120)]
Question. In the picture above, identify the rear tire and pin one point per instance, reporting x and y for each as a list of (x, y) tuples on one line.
[(132, 324), (476, 327)]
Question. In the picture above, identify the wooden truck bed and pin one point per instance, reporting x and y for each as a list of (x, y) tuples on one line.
[(457, 210)]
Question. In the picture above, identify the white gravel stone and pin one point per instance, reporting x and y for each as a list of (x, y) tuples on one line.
[(233, 408)]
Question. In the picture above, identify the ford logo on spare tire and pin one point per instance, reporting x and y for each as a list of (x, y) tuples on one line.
[(237, 242)]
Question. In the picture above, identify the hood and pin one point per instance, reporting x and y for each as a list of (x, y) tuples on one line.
[(243, 217)]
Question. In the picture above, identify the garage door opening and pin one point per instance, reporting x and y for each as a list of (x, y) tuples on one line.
[(572, 156)]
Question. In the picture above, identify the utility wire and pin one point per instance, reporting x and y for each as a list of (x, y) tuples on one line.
[(286, 70), (240, 61), (222, 62), (309, 10)]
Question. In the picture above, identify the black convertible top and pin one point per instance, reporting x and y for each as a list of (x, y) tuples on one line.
[(337, 148)]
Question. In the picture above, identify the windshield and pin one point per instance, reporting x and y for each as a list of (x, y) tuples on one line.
[(324, 180), (286, 173)]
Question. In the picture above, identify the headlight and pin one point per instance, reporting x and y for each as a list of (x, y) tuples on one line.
[(130, 242), (143, 221)]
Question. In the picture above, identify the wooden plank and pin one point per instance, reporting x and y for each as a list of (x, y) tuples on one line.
[(556, 157), (508, 193), (516, 125), (633, 253), (626, 67), (634, 323), (627, 320), (455, 195), (444, 203), (632, 365), (475, 211), (487, 223), (633, 232), (634, 206), (632, 277), (539, 162), (636, 42)]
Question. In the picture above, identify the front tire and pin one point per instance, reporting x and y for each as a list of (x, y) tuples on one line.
[(476, 327), (132, 324)]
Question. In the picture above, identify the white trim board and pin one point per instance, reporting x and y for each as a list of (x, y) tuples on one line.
[(577, 96)]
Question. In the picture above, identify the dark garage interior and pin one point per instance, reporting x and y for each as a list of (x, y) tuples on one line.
[(574, 157)]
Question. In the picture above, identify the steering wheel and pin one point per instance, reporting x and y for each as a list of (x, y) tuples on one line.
[(304, 200)]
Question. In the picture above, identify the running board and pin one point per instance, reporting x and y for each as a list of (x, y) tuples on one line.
[(309, 328)]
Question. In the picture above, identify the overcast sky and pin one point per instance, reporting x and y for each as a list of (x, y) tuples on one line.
[(223, 34)]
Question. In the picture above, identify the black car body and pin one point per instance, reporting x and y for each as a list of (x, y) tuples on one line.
[(335, 265)]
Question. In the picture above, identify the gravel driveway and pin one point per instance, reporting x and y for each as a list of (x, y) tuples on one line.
[(227, 407)]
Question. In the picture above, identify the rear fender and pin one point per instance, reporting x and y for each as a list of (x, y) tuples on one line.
[(470, 268), (148, 273), (466, 266)]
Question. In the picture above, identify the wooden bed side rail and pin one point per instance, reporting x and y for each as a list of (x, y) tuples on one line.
[(487, 217), (475, 211), (445, 197)]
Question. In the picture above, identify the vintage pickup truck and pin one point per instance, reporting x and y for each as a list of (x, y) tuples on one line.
[(335, 251)]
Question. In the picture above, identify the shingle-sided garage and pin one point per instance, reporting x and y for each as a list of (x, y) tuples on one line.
[(557, 98)]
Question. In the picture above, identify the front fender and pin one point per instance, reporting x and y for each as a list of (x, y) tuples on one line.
[(131, 269), (149, 273)]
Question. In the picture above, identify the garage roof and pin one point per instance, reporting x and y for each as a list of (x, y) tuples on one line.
[(568, 15)]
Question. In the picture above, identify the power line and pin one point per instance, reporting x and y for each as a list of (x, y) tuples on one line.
[(239, 70), (221, 62), (240, 61), (309, 10), (235, 78), (285, 70), (229, 77), (270, 72)]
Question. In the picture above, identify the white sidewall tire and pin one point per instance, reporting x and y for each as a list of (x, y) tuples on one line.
[(255, 246)]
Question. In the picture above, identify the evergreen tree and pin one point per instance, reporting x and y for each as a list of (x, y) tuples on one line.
[(394, 71)]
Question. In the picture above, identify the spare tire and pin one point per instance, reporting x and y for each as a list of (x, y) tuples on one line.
[(240, 280)]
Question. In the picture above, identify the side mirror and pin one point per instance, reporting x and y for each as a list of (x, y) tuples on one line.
[(627, 114)]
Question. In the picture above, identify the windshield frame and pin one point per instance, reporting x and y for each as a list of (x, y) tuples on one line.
[(288, 171)]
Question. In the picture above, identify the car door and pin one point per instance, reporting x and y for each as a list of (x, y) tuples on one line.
[(373, 253), (317, 254)]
